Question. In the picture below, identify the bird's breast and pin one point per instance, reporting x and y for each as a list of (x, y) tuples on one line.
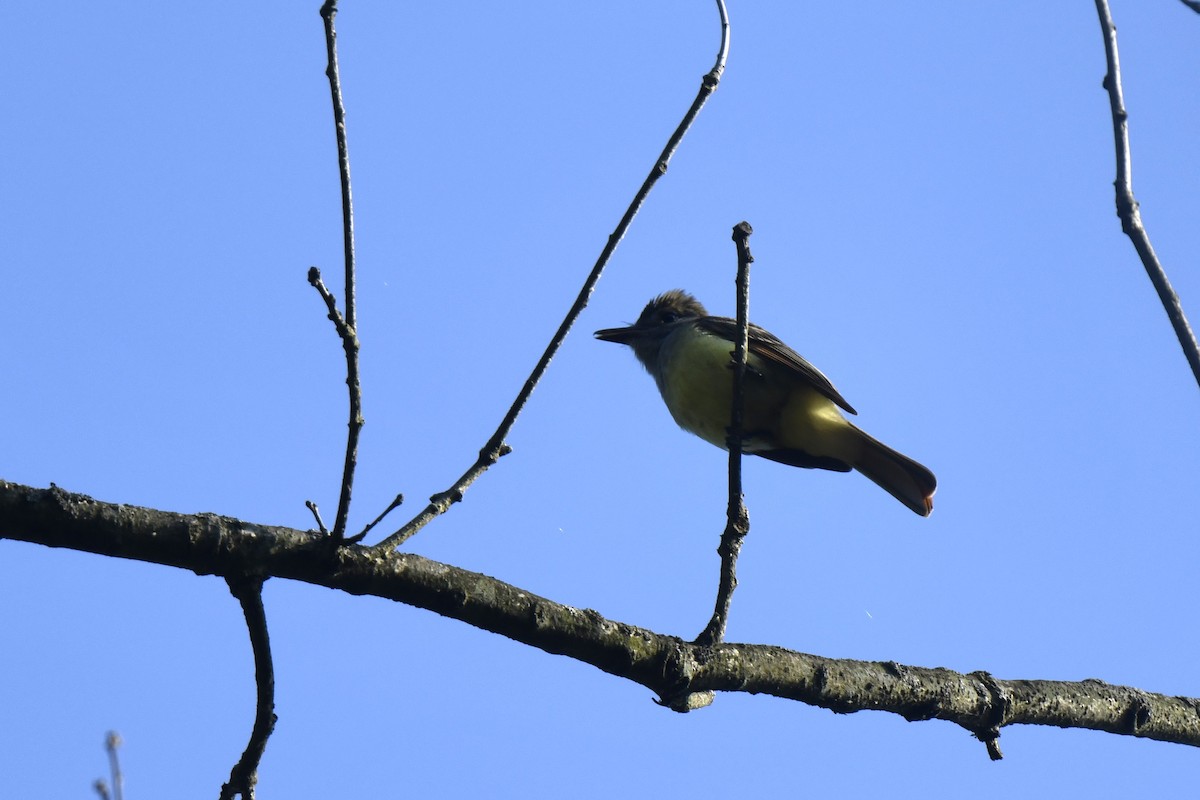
[(695, 379)]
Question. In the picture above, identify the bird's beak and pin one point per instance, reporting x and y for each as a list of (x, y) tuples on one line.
[(627, 335)]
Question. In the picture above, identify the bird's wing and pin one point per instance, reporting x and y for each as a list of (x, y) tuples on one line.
[(766, 345)]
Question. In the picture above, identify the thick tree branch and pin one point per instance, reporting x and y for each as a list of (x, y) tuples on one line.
[(667, 665)]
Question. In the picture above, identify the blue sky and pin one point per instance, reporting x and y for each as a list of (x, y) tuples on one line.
[(930, 189)]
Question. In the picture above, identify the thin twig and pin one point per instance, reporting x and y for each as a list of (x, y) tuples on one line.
[(335, 316), (391, 507), (328, 13), (496, 447), (350, 345), (316, 512), (112, 742), (1127, 205), (244, 775), (737, 519), (347, 326)]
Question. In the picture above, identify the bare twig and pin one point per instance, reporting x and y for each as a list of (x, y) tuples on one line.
[(328, 13), (496, 447), (335, 316), (347, 325), (244, 775), (1127, 205), (391, 507), (737, 519), (112, 743), (316, 512)]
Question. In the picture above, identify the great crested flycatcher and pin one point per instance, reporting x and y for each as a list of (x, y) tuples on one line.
[(790, 410)]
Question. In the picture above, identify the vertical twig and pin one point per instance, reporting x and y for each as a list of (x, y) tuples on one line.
[(328, 13), (244, 775), (1127, 205), (496, 447), (111, 744), (737, 519), (346, 324)]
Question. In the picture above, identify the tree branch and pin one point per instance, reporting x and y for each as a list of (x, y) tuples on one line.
[(1127, 205), (668, 666), (496, 447), (737, 519), (347, 325), (244, 775), (112, 743)]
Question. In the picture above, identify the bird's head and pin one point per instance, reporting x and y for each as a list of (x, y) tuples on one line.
[(660, 316)]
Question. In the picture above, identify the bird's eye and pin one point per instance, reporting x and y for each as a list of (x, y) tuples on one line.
[(668, 317)]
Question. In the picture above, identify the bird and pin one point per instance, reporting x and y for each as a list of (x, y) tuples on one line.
[(792, 414)]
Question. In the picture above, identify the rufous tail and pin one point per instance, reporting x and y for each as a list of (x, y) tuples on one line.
[(897, 474)]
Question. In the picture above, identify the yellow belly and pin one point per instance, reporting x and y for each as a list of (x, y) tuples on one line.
[(780, 410)]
